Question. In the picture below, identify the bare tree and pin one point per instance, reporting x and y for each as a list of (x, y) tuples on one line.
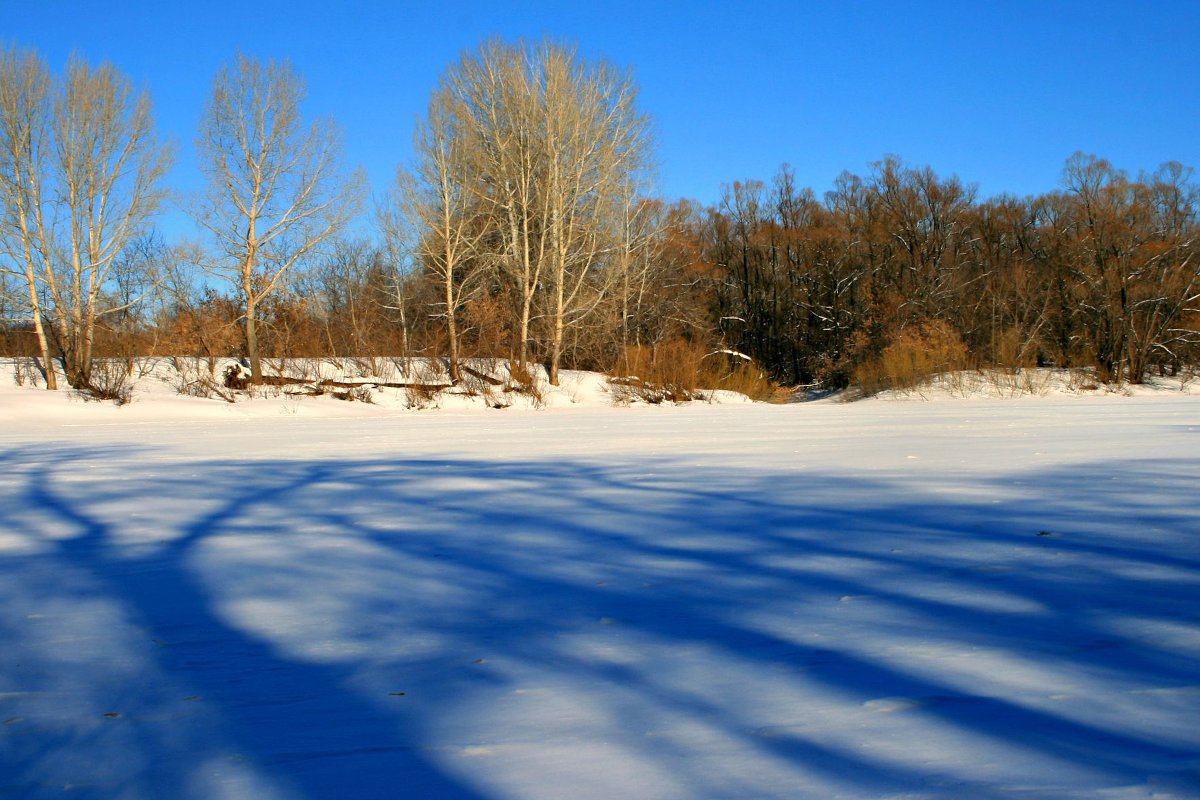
[(276, 190), (499, 117), (109, 164), (81, 168), (25, 92), (554, 141), (348, 290), (442, 212), (1164, 283), (640, 266), (396, 265), (596, 149)]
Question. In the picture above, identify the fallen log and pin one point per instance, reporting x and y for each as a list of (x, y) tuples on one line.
[(483, 376)]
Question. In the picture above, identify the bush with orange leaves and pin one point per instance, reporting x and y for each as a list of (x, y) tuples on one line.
[(914, 355)]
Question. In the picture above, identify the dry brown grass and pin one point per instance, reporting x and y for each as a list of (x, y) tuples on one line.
[(913, 357), (670, 372), (526, 380), (679, 371), (746, 378), (430, 380)]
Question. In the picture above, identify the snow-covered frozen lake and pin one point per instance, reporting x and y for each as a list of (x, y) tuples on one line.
[(950, 599)]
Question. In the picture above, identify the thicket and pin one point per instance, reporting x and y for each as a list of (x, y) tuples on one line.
[(900, 274)]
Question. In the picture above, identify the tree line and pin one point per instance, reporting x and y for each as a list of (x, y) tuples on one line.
[(524, 228), (901, 264)]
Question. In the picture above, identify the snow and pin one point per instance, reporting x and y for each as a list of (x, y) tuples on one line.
[(309, 598)]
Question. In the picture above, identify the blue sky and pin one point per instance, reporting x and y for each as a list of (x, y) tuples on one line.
[(999, 93)]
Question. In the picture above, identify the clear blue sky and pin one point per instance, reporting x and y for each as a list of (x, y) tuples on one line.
[(999, 93)]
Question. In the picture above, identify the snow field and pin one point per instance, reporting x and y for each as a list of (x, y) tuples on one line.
[(962, 598)]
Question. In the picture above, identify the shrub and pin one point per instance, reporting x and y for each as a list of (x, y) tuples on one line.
[(678, 371), (527, 381), (913, 356), (429, 382), (746, 378), (108, 379), (26, 371), (669, 371)]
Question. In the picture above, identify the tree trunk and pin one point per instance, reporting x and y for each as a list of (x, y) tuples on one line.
[(43, 343), (523, 334), (69, 346), (452, 328), (256, 376), (557, 347), (88, 337)]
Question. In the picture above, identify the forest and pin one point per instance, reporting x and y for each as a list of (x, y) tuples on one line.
[(525, 228)]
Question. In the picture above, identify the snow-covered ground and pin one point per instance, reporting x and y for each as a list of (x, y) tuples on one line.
[(309, 598)]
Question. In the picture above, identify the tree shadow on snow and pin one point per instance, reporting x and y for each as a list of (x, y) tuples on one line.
[(472, 629)]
